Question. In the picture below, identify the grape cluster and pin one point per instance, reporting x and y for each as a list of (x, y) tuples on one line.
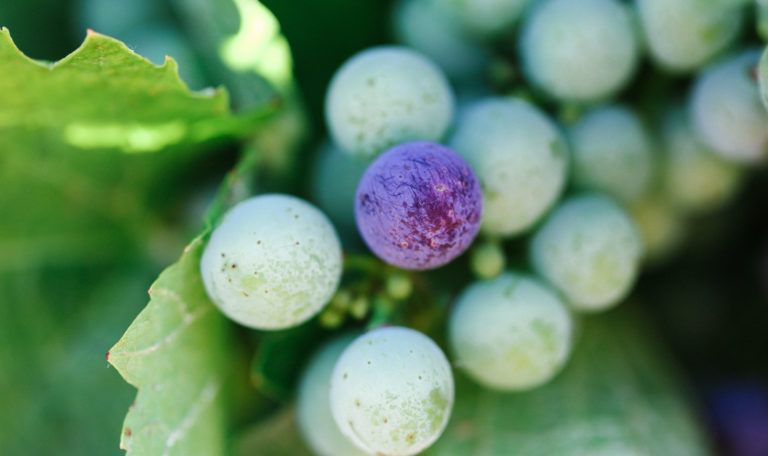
[(455, 135)]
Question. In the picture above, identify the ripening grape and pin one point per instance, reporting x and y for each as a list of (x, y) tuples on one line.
[(511, 333), (418, 206), (334, 183), (695, 180), (579, 50), (392, 391), (520, 157), (726, 110), (385, 96), (590, 249), (272, 263), (425, 26), (683, 35), (612, 153), (486, 17), (313, 404)]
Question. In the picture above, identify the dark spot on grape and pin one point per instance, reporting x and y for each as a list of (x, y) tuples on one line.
[(245, 294), (234, 266), (127, 431)]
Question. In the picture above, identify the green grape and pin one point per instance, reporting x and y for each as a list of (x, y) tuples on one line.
[(334, 184), (520, 157), (511, 333), (695, 180), (487, 260), (589, 248), (272, 263), (392, 391), (313, 406), (427, 27), (726, 111), (612, 153), (385, 96), (579, 50), (683, 35), (486, 18)]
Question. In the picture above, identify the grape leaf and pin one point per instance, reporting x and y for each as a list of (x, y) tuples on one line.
[(92, 145), (176, 354), (618, 395)]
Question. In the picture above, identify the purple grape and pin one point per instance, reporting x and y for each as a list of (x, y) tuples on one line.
[(418, 206)]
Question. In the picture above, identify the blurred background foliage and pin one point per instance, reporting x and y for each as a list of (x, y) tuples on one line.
[(710, 303)]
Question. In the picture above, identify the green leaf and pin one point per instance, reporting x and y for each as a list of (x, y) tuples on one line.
[(180, 354), (92, 145), (105, 96), (177, 354), (618, 395)]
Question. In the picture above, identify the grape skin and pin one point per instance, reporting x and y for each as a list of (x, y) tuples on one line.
[(612, 153), (486, 18), (392, 391), (418, 206), (579, 50), (511, 333), (272, 263), (334, 183), (313, 406), (427, 27), (590, 249), (695, 179), (520, 157), (683, 35), (726, 111), (384, 96)]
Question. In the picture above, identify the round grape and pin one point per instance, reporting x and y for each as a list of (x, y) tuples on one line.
[(418, 206), (695, 179), (487, 260), (520, 157), (486, 18), (726, 110), (427, 27), (334, 184), (392, 391), (272, 263), (612, 153), (590, 250), (385, 96), (682, 35), (313, 404), (579, 50), (511, 333)]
